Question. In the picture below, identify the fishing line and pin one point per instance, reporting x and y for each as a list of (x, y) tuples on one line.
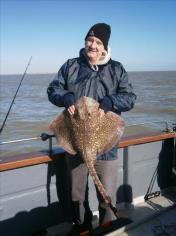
[(3, 124)]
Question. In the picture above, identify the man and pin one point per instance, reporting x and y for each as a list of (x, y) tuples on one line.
[(93, 74)]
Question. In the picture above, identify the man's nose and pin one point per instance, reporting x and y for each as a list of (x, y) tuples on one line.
[(93, 45)]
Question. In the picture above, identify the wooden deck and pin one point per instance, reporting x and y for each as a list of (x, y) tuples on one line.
[(158, 215)]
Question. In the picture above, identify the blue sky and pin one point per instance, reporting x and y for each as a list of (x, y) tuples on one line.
[(143, 33)]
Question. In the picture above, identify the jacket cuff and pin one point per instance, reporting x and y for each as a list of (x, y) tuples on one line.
[(68, 99), (106, 104)]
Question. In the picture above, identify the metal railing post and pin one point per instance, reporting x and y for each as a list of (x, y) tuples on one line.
[(127, 178)]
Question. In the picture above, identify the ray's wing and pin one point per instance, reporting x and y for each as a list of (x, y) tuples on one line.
[(60, 126), (111, 128)]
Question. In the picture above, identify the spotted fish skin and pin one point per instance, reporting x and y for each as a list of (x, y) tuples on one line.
[(89, 135)]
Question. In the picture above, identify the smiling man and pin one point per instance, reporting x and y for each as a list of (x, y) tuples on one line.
[(93, 74)]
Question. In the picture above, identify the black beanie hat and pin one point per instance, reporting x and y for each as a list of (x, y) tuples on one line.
[(101, 31)]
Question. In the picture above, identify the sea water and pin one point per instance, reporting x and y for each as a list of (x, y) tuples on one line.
[(32, 112)]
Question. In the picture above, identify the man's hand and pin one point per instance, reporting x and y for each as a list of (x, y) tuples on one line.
[(69, 101)]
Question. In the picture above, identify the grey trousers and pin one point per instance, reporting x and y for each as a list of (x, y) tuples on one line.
[(107, 172)]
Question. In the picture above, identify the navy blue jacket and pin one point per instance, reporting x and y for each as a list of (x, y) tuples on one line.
[(77, 76)]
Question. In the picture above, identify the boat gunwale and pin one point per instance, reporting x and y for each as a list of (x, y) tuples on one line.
[(40, 157)]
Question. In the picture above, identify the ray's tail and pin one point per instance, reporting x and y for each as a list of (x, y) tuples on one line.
[(93, 173)]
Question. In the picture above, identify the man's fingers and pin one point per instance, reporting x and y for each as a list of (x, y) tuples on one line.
[(101, 112), (71, 110)]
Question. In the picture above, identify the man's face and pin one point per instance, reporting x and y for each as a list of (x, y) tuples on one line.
[(94, 48)]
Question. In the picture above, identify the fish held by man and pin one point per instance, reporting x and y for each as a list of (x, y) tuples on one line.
[(89, 134)]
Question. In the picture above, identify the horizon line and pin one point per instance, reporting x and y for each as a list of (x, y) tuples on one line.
[(42, 73)]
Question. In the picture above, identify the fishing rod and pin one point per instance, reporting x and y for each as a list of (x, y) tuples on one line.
[(3, 124), (43, 137)]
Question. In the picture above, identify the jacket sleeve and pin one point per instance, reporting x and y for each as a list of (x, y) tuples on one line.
[(57, 88), (124, 98)]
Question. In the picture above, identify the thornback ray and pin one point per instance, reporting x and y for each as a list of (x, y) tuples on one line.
[(88, 134)]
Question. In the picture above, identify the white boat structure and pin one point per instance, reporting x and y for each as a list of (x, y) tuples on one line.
[(32, 189)]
